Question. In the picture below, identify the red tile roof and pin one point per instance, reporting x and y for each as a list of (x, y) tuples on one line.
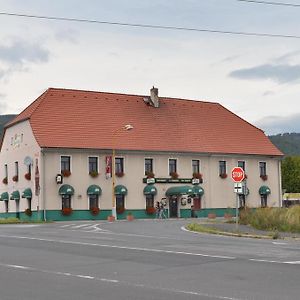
[(83, 119)]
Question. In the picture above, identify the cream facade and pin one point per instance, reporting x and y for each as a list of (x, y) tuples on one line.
[(20, 151)]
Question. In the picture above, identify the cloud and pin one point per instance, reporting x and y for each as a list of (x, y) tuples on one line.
[(18, 52), (286, 57), (278, 124), (3, 105), (268, 93), (67, 35), (278, 73)]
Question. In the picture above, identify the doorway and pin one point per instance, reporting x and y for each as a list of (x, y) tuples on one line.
[(17, 209), (173, 207)]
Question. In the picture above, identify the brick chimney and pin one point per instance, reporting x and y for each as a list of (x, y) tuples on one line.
[(154, 100)]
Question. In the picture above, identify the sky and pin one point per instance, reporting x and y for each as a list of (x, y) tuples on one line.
[(257, 78)]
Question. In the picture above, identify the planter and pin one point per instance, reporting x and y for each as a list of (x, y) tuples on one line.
[(150, 210), (264, 177), (228, 216), (111, 218), (174, 175), (211, 215), (27, 176), (28, 212), (95, 211), (150, 174), (119, 174), (15, 178), (66, 211), (5, 181), (197, 175), (94, 174), (130, 217), (66, 173)]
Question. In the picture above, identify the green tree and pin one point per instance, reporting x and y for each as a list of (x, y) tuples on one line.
[(291, 174)]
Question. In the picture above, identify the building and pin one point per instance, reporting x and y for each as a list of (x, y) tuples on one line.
[(56, 158)]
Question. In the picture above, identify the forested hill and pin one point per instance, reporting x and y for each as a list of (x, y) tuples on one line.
[(3, 120), (288, 143)]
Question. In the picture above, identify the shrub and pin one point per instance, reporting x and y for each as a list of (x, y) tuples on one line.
[(94, 211), (27, 176), (119, 174), (94, 173), (174, 175), (197, 175), (5, 180), (28, 212), (66, 173), (149, 174), (150, 210), (15, 178), (264, 177), (67, 211)]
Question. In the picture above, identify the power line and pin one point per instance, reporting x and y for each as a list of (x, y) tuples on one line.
[(271, 3), (270, 35)]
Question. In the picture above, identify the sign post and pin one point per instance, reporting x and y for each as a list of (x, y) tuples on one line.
[(237, 175)]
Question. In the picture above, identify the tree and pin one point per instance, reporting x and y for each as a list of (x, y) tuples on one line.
[(291, 174)]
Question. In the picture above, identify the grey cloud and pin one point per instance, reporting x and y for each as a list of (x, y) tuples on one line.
[(20, 51), (277, 124), (278, 73), (286, 57), (67, 35), (268, 93)]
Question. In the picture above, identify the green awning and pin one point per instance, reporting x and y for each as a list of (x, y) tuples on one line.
[(150, 190), (179, 190), (4, 196), (198, 190), (15, 195), (264, 190), (120, 190), (94, 190), (66, 189), (27, 193)]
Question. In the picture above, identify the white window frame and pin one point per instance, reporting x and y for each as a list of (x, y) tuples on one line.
[(169, 164), (152, 164), (98, 163), (71, 160)]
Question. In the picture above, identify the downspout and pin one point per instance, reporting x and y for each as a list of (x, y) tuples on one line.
[(279, 183), (43, 185)]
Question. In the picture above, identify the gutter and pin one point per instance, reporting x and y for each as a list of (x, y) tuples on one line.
[(43, 185)]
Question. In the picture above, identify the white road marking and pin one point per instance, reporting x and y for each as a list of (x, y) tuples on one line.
[(293, 262), (114, 281), (279, 243), (119, 247), (67, 225), (81, 225)]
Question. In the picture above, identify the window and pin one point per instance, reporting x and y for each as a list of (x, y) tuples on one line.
[(148, 165), (172, 166), (5, 171), (263, 200), (29, 203), (149, 201), (16, 168), (242, 164), (65, 163), (196, 165), (93, 164), (120, 203), (222, 167), (262, 168), (66, 201), (94, 201), (119, 165)]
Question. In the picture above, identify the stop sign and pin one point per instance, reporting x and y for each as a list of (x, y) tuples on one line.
[(237, 174)]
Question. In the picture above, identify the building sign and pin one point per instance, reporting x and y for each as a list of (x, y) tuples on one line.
[(168, 180), (108, 166), (59, 179)]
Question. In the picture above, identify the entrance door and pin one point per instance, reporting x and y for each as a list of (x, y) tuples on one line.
[(173, 203), (197, 203)]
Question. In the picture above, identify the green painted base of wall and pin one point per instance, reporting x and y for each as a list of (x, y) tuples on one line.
[(56, 215)]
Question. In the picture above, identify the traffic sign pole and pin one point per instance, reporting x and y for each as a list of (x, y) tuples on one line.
[(237, 175)]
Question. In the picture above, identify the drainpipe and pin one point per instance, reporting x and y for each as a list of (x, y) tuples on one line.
[(43, 185), (279, 183)]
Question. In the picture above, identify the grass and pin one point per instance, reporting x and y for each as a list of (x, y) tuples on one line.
[(18, 221), (272, 219), (200, 228)]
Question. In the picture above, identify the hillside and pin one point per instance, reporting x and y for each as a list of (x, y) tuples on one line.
[(288, 143), (3, 120)]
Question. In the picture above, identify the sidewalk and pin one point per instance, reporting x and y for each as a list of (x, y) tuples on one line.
[(243, 230)]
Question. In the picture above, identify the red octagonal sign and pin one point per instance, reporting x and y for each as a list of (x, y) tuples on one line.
[(237, 174)]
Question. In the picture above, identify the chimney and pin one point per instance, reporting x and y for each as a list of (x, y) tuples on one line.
[(154, 97)]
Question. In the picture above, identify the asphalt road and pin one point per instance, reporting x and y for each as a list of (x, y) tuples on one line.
[(142, 260)]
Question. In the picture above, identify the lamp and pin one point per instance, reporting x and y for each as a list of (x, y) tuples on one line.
[(126, 127)]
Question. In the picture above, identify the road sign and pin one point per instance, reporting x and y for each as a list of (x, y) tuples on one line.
[(238, 187), (237, 174)]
